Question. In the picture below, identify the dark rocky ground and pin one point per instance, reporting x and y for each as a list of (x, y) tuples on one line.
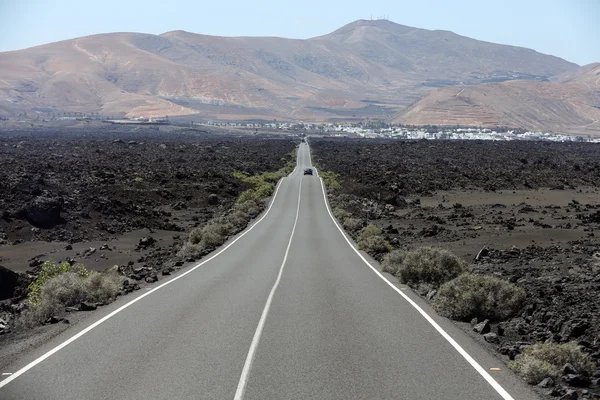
[(113, 195), (533, 208)]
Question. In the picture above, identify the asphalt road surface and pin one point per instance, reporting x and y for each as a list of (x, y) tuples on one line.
[(286, 310)]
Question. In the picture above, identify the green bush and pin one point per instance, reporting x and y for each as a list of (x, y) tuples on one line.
[(370, 230), (263, 185), (69, 289), (331, 180), (476, 296), (264, 190), (393, 261), (214, 235), (257, 193), (545, 360), (49, 270), (430, 266), (273, 177)]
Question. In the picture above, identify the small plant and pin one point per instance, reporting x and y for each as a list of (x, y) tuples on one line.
[(375, 245), (63, 287), (430, 266), (544, 360), (189, 251), (195, 235), (352, 224), (479, 296), (331, 180), (214, 235), (138, 179), (250, 208), (340, 213), (393, 261), (370, 230), (238, 219), (103, 287), (49, 270), (371, 241)]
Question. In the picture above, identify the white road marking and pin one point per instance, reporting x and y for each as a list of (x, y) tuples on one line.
[(241, 388), (6, 373), (118, 310), (438, 328)]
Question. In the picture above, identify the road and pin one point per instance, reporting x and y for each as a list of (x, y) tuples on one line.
[(287, 310)]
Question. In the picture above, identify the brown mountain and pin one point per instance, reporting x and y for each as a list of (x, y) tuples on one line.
[(569, 104), (366, 68)]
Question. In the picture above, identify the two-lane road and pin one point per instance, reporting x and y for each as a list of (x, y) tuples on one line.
[(287, 310)]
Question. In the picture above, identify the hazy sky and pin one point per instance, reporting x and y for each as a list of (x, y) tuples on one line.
[(564, 28)]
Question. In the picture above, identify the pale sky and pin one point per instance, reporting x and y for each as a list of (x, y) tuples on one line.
[(565, 28)]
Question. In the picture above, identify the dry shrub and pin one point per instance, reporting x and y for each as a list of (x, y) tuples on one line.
[(352, 224), (238, 219), (49, 270), (479, 296), (69, 289), (370, 230), (393, 261), (430, 266), (250, 208), (371, 241), (104, 287), (374, 245), (195, 235), (340, 213), (189, 251), (214, 235), (545, 360)]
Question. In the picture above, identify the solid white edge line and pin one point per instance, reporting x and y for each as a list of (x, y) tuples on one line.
[(438, 328), (118, 310), (241, 388)]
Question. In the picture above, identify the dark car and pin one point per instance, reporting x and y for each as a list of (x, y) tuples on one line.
[(308, 171)]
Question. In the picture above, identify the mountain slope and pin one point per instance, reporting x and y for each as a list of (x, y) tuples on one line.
[(571, 104), (377, 63)]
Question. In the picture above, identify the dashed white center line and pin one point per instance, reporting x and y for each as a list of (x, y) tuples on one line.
[(6, 373)]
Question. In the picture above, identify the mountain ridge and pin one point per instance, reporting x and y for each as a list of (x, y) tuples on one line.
[(569, 104), (243, 77)]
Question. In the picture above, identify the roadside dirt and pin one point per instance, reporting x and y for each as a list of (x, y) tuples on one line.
[(61, 190), (532, 209)]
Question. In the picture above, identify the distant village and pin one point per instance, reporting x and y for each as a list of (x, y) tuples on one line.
[(372, 130)]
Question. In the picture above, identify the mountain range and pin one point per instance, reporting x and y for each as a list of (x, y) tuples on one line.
[(366, 69)]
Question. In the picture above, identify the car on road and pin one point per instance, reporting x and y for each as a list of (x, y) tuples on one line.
[(308, 171)]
